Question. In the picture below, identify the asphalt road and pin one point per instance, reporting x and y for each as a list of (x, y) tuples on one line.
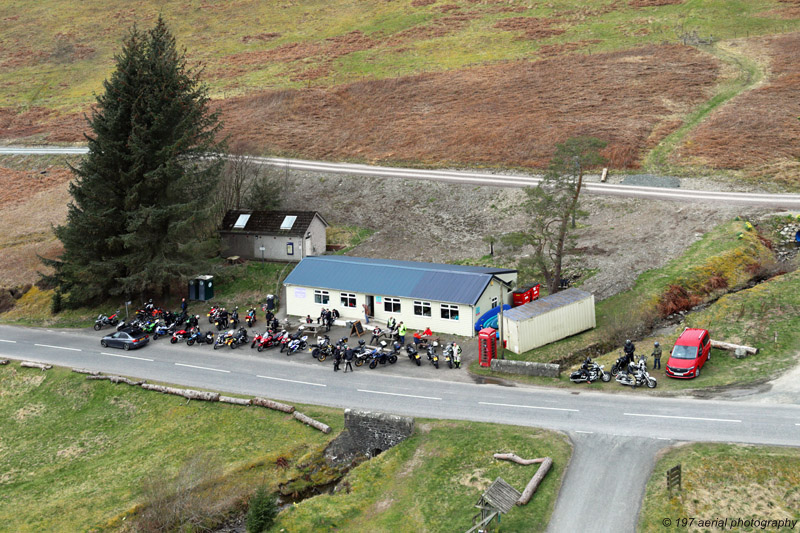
[(615, 435), (591, 186)]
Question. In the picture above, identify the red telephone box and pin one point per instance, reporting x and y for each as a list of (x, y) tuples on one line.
[(487, 346)]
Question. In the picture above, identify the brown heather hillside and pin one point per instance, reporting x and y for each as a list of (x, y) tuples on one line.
[(508, 114)]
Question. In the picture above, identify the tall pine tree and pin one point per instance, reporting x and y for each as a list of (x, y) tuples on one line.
[(142, 196)]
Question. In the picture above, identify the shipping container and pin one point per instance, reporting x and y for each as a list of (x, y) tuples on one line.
[(549, 319)]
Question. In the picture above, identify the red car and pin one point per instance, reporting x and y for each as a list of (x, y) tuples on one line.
[(690, 353)]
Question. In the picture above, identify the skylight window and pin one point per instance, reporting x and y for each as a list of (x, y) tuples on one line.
[(241, 222), (288, 222)]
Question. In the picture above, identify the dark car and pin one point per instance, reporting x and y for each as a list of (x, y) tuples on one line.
[(125, 339)]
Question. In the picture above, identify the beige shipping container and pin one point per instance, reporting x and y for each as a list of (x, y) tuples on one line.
[(548, 319)]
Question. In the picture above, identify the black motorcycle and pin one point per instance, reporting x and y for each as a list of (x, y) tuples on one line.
[(200, 338), (621, 363), (239, 338), (323, 349), (589, 372), (433, 357), (381, 357), (413, 354)]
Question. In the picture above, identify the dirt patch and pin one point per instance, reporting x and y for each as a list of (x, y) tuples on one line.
[(760, 126), (474, 479), (550, 50), (654, 3), (532, 28), (69, 452), (19, 186), (34, 409), (510, 114)]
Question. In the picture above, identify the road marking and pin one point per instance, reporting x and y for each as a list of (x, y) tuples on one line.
[(58, 347), (2, 340), (662, 438), (684, 417), (126, 356), (398, 394), (587, 432), (294, 381), (530, 407), (204, 368)]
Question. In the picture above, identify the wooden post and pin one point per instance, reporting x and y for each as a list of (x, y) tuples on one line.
[(674, 478)]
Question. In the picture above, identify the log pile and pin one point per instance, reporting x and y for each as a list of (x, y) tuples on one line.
[(31, 364), (85, 371), (117, 379), (235, 401), (311, 422), (271, 404), (533, 484)]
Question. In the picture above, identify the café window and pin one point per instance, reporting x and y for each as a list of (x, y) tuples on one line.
[(348, 299)]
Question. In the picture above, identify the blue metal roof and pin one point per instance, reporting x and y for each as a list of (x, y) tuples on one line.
[(546, 304), (387, 277)]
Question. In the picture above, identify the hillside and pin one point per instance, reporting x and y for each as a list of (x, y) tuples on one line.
[(486, 82)]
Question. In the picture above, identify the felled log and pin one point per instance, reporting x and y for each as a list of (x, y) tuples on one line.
[(116, 379), (728, 346), (533, 484), (235, 401), (3, 361), (186, 393), (271, 404), (85, 371), (30, 364), (311, 422), (517, 459)]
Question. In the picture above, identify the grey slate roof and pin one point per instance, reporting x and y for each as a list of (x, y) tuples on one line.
[(501, 495), (269, 222), (386, 277), (546, 304)]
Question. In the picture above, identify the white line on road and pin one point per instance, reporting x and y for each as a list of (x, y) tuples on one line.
[(127, 356), (204, 368), (3, 340), (293, 381), (663, 438), (58, 347), (684, 417), (398, 394), (587, 432), (529, 407)]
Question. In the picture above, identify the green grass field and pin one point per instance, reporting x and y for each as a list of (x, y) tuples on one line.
[(724, 481), (78, 454), (57, 54)]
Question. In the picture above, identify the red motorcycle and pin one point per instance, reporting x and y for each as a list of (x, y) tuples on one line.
[(271, 340), (251, 317), (180, 335)]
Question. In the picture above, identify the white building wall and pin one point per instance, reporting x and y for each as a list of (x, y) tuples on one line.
[(300, 302)]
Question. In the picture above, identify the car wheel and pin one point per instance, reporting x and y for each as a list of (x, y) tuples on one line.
[(104, 344), (126, 346), (697, 373)]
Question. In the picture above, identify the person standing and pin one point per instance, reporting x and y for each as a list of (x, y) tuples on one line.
[(457, 355), (337, 357), (401, 332), (391, 324), (348, 360), (183, 305), (656, 355)]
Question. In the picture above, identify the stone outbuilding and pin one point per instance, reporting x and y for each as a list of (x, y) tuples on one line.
[(273, 235)]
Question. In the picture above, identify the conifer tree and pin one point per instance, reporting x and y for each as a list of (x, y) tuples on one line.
[(139, 218)]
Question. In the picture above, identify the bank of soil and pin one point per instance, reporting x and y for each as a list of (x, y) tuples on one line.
[(441, 222)]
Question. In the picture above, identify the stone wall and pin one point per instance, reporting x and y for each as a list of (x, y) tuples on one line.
[(368, 433), (526, 368)]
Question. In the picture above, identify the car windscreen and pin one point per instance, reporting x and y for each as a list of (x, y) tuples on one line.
[(684, 352)]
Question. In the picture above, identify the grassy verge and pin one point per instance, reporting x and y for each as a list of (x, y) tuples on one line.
[(431, 482), (78, 454), (729, 251), (347, 236), (724, 481)]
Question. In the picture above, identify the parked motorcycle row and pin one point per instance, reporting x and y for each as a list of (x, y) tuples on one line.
[(624, 370)]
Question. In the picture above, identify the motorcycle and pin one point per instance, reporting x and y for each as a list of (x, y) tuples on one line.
[(637, 375), (200, 338), (221, 321), (448, 354), (287, 338), (296, 345), (413, 354), (433, 357), (103, 320), (381, 357), (323, 349), (213, 313), (251, 317), (223, 339), (268, 340), (180, 335), (621, 363), (589, 372), (239, 338), (362, 353)]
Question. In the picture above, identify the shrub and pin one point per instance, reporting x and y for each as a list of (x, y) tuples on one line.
[(262, 511), (57, 304)]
